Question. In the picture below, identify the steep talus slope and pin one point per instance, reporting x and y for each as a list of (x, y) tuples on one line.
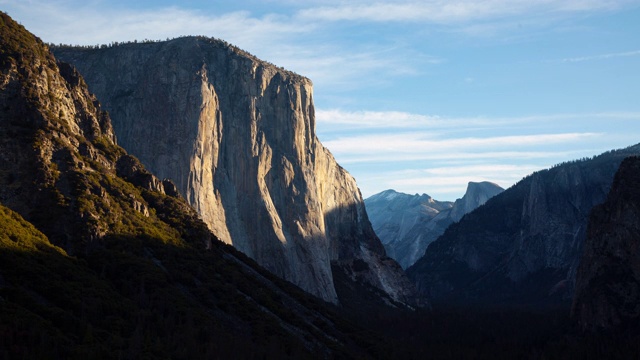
[(100, 259), (407, 224), (608, 279), (237, 136), (523, 246)]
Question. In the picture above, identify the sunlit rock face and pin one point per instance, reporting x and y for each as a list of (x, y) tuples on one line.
[(407, 224), (608, 279), (237, 136)]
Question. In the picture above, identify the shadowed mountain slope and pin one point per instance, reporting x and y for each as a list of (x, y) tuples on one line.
[(608, 280), (523, 246)]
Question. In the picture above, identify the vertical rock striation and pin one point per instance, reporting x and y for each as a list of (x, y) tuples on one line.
[(608, 279), (237, 136)]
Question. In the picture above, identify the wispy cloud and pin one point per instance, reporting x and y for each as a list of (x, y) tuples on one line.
[(341, 69), (375, 119), (280, 38), (406, 137), (601, 56), (452, 11), (284, 37), (456, 177), (446, 183), (57, 22), (299, 36), (333, 119), (412, 143), (457, 157), (440, 157)]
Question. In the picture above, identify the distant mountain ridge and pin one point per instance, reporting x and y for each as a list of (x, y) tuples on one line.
[(523, 246), (407, 224)]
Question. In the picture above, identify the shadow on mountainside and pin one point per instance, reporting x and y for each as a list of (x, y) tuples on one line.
[(134, 297)]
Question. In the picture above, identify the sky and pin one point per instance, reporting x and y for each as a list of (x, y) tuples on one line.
[(416, 96)]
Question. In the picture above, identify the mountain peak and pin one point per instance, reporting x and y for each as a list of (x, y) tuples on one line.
[(407, 224), (482, 184), (477, 194)]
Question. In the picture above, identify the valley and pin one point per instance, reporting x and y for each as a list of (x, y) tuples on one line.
[(172, 199)]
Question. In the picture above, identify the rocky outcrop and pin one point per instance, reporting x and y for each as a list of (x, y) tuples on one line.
[(407, 224), (237, 136), (523, 246), (608, 279)]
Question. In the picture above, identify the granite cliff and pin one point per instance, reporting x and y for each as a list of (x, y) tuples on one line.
[(237, 136), (407, 224), (608, 279), (101, 259), (522, 248)]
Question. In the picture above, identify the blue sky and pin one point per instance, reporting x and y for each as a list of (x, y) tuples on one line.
[(418, 96)]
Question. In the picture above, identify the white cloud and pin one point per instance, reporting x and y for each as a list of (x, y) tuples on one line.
[(457, 177), (602, 56), (288, 40), (338, 68), (294, 35), (452, 11), (416, 142), (337, 118), (447, 183), (455, 157), (439, 157), (479, 169), (375, 119), (89, 25)]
